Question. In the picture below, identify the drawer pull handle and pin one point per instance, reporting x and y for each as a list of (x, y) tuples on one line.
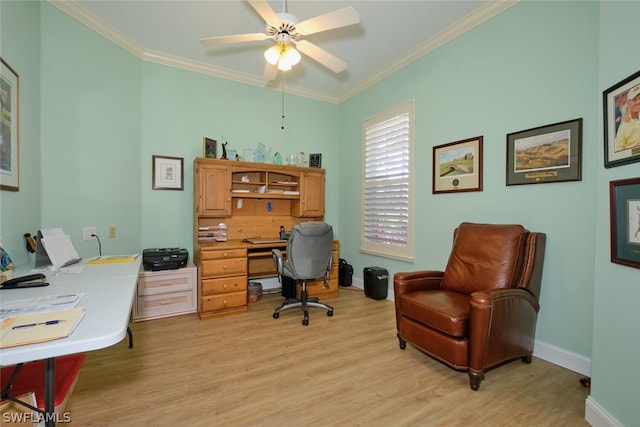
[(224, 267), (225, 286), (225, 302), (165, 302)]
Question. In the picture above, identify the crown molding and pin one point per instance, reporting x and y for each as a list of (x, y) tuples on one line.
[(485, 12), (98, 25)]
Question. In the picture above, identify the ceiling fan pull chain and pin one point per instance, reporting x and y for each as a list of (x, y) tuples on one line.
[(282, 125)]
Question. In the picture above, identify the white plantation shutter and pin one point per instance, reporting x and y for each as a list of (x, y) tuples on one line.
[(387, 183)]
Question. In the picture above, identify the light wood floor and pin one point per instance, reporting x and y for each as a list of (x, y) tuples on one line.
[(348, 370)]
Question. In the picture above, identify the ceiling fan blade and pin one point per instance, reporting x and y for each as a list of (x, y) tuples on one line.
[(264, 10), (329, 21), (233, 39), (270, 72), (322, 56)]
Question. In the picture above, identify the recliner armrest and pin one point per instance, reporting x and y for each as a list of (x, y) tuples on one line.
[(416, 280)]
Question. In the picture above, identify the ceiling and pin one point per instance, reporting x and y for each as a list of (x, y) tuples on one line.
[(390, 35)]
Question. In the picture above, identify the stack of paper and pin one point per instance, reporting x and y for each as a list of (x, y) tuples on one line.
[(39, 327), (59, 247)]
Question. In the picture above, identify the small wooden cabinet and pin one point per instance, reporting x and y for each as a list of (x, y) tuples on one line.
[(213, 198), (222, 274), (165, 293)]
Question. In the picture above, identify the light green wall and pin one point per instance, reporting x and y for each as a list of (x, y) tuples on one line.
[(532, 65), (90, 135), (93, 115), (180, 107), (20, 48), (616, 334)]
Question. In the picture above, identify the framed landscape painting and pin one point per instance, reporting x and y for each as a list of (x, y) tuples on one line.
[(457, 166), (551, 153)]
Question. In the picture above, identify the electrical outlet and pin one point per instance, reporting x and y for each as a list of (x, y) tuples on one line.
[(87, 232), (112, 232)]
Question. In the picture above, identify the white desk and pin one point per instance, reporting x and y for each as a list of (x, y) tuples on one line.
[(109, 289)]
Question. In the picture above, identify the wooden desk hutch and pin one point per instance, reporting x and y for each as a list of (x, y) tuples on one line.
[(253, 200)]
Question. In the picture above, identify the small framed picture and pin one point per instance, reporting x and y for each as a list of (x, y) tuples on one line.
[(624, 199), (209, 148), (551, 153), (621, 122), (168, 173), (457, 166), (315, 160)]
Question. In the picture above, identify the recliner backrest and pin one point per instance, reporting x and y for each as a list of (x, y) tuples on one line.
[(309, 249), (484, 257)]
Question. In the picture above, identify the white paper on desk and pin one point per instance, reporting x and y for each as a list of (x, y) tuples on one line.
[(59, 246), (39, 304)]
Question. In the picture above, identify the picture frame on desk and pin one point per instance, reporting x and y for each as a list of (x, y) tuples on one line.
[(209, 148), (9, 128), (167, 173)]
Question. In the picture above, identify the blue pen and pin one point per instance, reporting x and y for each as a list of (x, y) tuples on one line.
[(28, 325)]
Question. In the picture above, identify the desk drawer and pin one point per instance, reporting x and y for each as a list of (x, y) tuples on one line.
[(153, 306), (223, 254), (223, 267), (164, 282), (221, 302), (224, 285)]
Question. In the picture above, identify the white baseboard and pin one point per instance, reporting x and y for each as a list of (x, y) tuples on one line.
[(595, 415), (561, 357)]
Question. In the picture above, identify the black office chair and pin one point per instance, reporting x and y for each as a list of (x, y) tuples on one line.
[(309, 256)]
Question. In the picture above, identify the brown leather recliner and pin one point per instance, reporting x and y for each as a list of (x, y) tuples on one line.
[(482, 310)]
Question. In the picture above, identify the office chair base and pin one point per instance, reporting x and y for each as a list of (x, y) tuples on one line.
[(304, 304)]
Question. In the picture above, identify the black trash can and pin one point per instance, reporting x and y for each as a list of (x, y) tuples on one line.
[(345, 273), (376, 282)]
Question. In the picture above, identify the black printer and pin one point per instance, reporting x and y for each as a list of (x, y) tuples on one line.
[(156, 259)]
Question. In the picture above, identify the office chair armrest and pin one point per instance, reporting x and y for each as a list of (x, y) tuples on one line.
[(278, 261)]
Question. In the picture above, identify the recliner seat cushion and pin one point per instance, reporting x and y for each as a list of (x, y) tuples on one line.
[(484, 256), (445, 311)]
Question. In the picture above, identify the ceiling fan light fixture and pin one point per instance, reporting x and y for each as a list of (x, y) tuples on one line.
[(290, 55), (272, 55)]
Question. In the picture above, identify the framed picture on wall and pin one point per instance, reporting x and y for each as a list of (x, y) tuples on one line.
[(624, 202), (550, 153), (168, 173), (209, 148), (9, 128), (622, 122), (457, 166)]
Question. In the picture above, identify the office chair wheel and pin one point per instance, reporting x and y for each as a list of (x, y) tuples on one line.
[(330, 313), (276, 315), (305, 322)]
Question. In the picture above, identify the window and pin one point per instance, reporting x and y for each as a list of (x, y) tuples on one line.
[(388, 183)]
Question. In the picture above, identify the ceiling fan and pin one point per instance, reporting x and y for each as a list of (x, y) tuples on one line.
[(286, 31)]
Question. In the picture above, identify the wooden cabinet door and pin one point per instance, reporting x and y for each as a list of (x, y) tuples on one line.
[(214, 191), (311, 202)]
